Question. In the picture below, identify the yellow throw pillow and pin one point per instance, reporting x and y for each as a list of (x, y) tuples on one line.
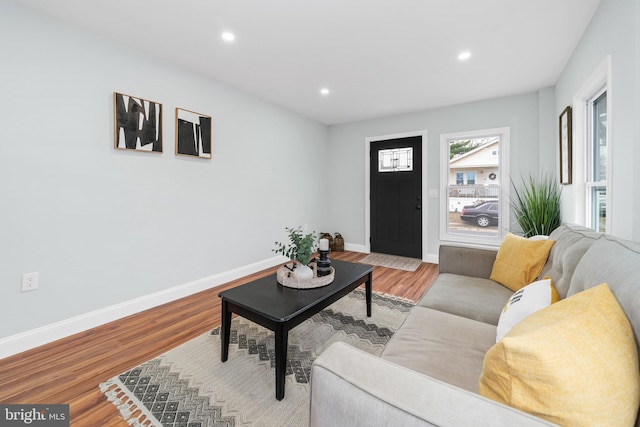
[(573, 363), (520, 261), (524, 302)]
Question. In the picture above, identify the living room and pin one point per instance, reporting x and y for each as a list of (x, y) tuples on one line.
[(113, 232)]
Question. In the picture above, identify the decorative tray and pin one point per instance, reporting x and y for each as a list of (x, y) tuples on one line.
[(287, 278)]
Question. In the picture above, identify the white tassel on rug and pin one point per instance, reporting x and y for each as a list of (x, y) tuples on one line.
[(115, 393)]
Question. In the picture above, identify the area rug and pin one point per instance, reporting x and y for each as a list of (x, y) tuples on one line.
[(392, 261), (189, 386)]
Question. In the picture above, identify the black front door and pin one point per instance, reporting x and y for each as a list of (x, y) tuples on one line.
[(396, 196)]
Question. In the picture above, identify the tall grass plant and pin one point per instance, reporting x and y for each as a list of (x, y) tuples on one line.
[(536, 205)]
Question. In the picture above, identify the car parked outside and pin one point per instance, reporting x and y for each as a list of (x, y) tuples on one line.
[(482, 214)]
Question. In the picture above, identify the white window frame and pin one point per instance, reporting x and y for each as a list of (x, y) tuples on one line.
[(590, 183), (503, 153), (597, 83)]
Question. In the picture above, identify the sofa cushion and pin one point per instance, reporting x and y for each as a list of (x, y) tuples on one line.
[(616, 262), (574, 363), (472, 262), (523, 303), (470, 297), (444, 346), (519, 261), (572, 241)]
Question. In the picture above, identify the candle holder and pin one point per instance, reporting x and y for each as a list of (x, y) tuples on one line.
[(324, 263)]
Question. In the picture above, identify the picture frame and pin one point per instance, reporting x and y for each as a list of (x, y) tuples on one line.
[(565, 125), (193, 134), (137, 123)]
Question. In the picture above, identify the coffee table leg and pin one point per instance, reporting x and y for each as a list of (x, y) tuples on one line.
[(368, 287), (282, 335), (226, 330)]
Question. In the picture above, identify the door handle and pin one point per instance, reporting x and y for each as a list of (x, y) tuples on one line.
[(418, 207)]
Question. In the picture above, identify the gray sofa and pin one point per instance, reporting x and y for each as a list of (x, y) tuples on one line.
[(429, 372)]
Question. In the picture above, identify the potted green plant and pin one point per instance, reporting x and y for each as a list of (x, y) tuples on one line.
[(536, 205), (299, 248)]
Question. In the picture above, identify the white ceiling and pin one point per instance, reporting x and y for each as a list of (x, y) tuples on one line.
[(378, 57)]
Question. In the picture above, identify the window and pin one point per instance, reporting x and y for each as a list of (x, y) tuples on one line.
[(472, 170), (596, 176), (465, 178), (471, 178), (591, 202), (395, 160)]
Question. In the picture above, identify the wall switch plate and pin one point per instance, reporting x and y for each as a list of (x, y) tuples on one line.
[(30, 281)]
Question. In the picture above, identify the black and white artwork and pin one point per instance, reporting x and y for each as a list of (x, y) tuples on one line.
[(193, 134), (138, 123)]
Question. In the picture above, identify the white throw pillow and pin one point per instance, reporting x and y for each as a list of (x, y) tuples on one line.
[(525, 302)]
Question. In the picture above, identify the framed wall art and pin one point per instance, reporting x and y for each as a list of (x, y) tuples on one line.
[(138, 123), (193, 134), (565, 147)]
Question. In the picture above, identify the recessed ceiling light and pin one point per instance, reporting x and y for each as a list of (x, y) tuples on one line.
[(324, 91), (463, 56), (228, 37)]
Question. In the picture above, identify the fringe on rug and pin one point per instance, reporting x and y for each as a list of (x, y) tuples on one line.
[(386, 295), (135, 414), (393, 297)]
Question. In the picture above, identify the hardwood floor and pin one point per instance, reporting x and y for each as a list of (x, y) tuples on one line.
[(70, 370)]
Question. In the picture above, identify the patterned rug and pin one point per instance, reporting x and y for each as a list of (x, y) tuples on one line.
[(392, 261), (189, 386)]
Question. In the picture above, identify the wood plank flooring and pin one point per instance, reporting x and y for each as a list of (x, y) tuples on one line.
[(70, 370)]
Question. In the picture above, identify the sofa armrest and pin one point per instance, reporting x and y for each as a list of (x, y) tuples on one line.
[(466, 261), (352, 388)]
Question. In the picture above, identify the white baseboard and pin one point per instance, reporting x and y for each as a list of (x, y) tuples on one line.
[(355, 248), (432, 258), (36, 337)]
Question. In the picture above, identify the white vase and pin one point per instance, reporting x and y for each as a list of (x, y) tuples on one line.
[(303, 272)]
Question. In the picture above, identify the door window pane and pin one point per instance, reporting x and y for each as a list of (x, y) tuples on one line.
[(395, 160)]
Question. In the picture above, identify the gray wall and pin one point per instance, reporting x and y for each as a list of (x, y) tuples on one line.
[(548, 132), (103, 226), (612, 31), (347, 153)]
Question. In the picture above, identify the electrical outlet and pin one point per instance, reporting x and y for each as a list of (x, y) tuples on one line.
[(30, 281)]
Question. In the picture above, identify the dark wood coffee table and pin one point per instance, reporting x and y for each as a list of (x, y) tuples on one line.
[(280, 309)]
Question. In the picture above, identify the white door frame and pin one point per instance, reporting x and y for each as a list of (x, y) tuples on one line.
[(367, 185)]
